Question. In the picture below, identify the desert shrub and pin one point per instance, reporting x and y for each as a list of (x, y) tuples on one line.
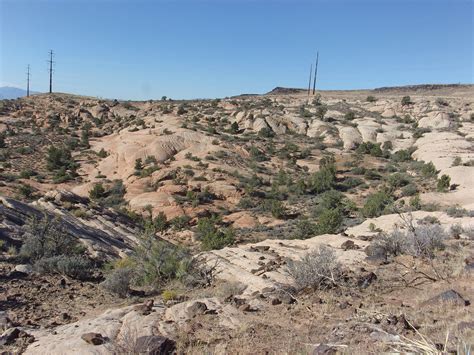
[(322, 180), (443, 183), (442, 102), (351, 182), (372, 174), (246, 203), (211, 236), (75, 266), (102, 153), (180, 222), (60, 161), (304, 229), (97, 191), (26, 190), (387, 145), (429, 170), (402, 155), (376, 203), (275, 207), (418, 132), (457, 161), (349, 116), (138, 166), (118, 281), (160, 222), (257, 155), (429, 220), (371, 98), (234, 127), (157, 262), (370, 148), (266, 132), (321, 111), (317, 101), (181, 110), (112, 196), (329, 221), (27, 173), (169, 295), (419, 241), (409, 190), (3, 144), (45, 238), (318, 269), (406, 100), (458, 212), (415, 202), (398, 180)]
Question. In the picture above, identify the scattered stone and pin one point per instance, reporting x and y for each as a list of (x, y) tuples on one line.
[(275, 301), (93, 338), (5, 322), (9, 336), (349, 245), (145, 308), (154, 345), (463, 326), (366, 280), (245, 308), (344, 305), (260, 248), (384, 337), (324, 349), (24, 268), (196, 308), (448, 296)]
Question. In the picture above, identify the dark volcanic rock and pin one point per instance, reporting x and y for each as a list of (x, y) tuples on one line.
[(448, 296), (93, 338), (154, 345)]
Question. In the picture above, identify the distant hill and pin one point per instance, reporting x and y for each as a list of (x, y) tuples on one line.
[(8, 92), (284, 91)]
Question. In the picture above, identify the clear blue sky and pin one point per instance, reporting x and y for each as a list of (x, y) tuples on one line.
[(186, 49)]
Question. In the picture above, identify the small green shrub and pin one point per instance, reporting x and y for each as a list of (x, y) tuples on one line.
[(406, 100), (329, 221), (45, 238), (118, 281), (211, 236), (375, 204), (370, 148), (73, 266), (443, 183)]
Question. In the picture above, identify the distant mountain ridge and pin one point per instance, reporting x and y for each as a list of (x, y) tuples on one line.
[(9, 92)]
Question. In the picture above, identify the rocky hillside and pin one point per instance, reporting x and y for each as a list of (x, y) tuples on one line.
[(230, 213)]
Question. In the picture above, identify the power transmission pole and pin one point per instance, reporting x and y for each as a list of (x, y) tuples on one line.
[(50, 61), (28, 82), (315, 73), (310, 73)]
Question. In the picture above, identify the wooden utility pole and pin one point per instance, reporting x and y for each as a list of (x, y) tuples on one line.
[(310, 73), (315, 73), (28, 81), (50, 61)]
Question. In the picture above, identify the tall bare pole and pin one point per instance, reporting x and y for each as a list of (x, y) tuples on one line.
[(28, 81), (310, 73), (315, 73), (50, 61)]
